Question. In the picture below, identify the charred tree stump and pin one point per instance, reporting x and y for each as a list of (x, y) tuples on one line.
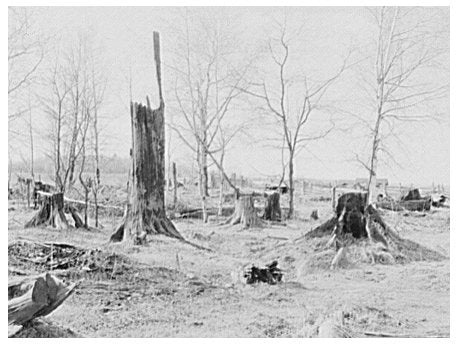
[(272, 211), (51, 213), (146, 211), (355, 221), (245, 213)]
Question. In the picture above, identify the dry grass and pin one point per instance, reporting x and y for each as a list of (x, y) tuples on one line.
[(169, 289)]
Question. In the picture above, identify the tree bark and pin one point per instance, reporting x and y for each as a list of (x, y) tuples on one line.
[(146, 213), (221, 186), (175, 184), (291, 187)]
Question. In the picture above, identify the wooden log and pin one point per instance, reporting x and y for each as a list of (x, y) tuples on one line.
[(413, 205), (45, 296), (71, 200)]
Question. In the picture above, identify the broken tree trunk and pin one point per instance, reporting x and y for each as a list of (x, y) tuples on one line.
[(245, 213), (51, 213), (46, 294), (272, 211), (146, 213)]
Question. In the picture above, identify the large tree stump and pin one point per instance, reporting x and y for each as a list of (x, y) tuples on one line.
[(353, 221), (245, 213), (272, 211), (51, 213), (146, 211)]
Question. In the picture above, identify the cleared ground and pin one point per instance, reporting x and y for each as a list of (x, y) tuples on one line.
[(174, 290)]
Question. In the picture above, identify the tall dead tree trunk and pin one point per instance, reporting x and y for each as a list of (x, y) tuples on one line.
[(146, 213)]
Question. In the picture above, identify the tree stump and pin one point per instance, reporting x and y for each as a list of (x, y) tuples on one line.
[(272, 211), (314, 215), (354, 221), (51, 213), (245, 213), (146, 211)]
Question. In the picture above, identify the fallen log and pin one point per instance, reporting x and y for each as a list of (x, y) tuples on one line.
[(45, 295), (413, 205), (70, 200)]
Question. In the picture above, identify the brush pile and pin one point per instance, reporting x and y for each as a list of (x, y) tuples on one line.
[(271, 274), (41, 257)]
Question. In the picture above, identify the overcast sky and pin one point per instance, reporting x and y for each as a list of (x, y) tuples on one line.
[(123, 37)]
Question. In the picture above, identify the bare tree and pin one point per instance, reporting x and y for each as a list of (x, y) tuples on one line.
[(207, 83), (292, 121), (30, 125), (54, 106), (98, 90), (72, 107), (225, 137), (405, 51), (25, 54)]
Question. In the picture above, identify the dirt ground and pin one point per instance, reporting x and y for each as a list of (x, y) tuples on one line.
[(175, 290)]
